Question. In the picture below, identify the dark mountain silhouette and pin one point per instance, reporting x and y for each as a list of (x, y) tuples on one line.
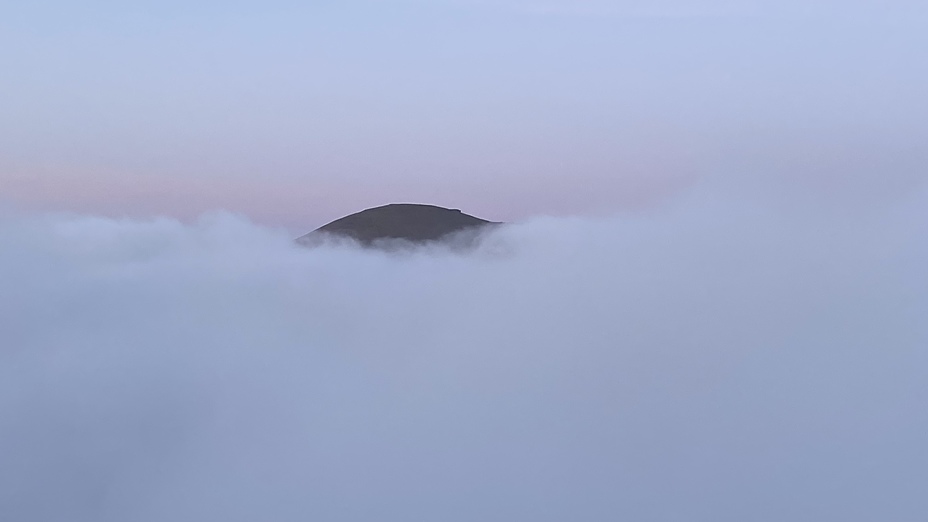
[(407, 222)]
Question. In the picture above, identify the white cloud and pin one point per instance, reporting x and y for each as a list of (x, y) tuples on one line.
[(717, 360)]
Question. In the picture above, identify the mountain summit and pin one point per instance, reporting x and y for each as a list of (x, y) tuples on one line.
[(399, 221)]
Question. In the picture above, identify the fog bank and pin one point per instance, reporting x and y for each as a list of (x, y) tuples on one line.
[(713, 360)]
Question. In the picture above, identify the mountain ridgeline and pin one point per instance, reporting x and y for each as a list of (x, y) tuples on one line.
[(401, 224)]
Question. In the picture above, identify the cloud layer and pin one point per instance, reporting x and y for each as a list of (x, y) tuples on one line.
[(715, 360)]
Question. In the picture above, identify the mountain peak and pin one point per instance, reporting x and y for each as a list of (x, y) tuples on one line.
[(411, 222)]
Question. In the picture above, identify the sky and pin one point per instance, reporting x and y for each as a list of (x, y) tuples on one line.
[(296, 113)]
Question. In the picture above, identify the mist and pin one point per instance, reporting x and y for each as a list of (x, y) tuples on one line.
[(718, 358)]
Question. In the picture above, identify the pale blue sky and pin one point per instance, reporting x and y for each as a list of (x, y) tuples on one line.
[(295, 112)]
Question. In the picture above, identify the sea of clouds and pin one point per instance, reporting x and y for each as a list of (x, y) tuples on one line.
[(716, 359)]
